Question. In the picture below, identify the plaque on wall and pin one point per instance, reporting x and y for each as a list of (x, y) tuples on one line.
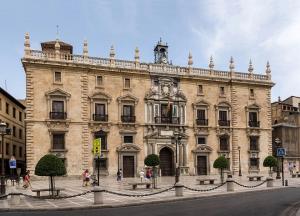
[(166, 133)]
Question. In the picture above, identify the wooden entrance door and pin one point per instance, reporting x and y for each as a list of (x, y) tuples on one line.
[(201, 165), (128, 166), (166, 162)]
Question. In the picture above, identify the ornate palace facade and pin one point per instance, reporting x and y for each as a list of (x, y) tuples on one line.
[(138, 108)]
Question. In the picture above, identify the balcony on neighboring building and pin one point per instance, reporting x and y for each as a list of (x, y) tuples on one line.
[(100, 117), (254, 124), (224, 123), (58, 115), (166, 120), (128, 119), (202, 122)]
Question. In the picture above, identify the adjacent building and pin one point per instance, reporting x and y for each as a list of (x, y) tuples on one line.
[(286, 130), (188, 116), (12, 112)]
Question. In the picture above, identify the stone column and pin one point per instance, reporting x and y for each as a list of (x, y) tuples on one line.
[(184, 155), (180, 156)]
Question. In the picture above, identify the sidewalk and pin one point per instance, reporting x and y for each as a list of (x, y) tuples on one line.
[(73, 187)]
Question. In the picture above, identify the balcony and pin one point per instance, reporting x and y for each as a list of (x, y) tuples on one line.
[(224, 123), (128, 119), (202, 122), (254, 124), (100, 117), (166, 120), (58, 115)]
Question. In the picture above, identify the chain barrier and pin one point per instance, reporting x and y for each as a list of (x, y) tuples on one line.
[(251, 186), (50, 197), (3, 196), (204, 190), (138, 195)]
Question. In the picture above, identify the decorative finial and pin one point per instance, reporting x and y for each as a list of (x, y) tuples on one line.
[(268, 68), (27, 45), (190, 61), (57, 49), (137, 55), (250, 68), (231, 65), (211, 63), (85, 48), (279, 99), (112, 52)]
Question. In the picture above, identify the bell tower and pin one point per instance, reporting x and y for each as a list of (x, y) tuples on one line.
[(161, 53)]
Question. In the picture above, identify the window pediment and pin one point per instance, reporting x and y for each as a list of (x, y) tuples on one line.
[(253, 107), (128, 98), (201, 103), (224, 104), (202, 149), (128, 148), (57, 93), (99, 95)]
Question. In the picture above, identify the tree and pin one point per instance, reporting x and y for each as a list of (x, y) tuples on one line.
[(221, 163), (152, 160), (270, 162), (50, 165)]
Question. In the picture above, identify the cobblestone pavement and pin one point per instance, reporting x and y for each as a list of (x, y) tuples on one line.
[(73, 187)]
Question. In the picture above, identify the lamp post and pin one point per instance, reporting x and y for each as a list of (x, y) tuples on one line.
[(277, 141), (240, 168), (176, 139), (3, 131)]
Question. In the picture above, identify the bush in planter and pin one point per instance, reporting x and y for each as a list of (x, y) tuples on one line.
[(221, 163), (270, 162), (152, 160), (50, 165)]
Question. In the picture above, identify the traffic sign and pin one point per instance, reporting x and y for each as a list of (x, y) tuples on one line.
[(281, 152), (97, 146), (12, 163)]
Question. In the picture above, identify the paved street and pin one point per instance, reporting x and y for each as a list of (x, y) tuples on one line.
[(265, 203)]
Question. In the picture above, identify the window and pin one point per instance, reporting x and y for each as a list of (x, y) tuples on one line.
[(20, 152), (58, 141), (57, 110), (222, 90), (14, 131), (57, 77), (14, 150), (201, 114), (100, 113), (201, 141), (254, 163), (7, 108), (126, 83), (200, 89), (103, 136), (99, 80), (155, 82), (14, 112), (128, 113), (223, 118), (20, 116), (20, 133), (7, 149), (102, 163), (253, 143), (224, 144), (128, 139), (253, 119), (251, 92)]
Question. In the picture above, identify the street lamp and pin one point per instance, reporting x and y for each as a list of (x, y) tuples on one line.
[(277, 141), (176, 139), (3, 131), (240, 168)]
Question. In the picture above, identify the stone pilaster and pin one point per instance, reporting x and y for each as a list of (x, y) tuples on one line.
[(269, 121), (84, 117), (234, 134)]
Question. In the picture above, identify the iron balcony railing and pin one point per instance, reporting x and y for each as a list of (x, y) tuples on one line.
[(58, 115), (166, 120), (100, 117), (224, 123), (254, 123), (202, 122), (129, 119)]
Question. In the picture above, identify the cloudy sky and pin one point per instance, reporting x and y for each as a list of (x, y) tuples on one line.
[(260, 30)]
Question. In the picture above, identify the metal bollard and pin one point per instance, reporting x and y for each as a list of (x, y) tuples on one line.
[(230, 183), (178, 189), (98, 195), (270, 182), (15, 199), (286, 183)]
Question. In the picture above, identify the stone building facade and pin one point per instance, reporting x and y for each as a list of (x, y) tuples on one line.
[(286, 129), (138, 108), (12, 112)]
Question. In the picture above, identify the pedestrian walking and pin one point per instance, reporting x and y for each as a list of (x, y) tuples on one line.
[(86, 178), (142, 175), (26, 180), (119, 175)]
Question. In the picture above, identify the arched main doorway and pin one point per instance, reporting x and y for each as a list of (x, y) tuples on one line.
[(166, 162)]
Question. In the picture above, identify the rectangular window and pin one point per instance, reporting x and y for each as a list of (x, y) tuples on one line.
[(7, 108), (103, 163), (100, 109), (224, 145), (201, 140), (7, 151), (58, 141), (128, 110), (200, 89), (201, 114), (222, 90), (127, 83), (20, 133), (14, 112), (20, 116), (99, 80), (252, 92), (14, 131), (20, 152), (254, 163), (128, 139), (103, 136), (14, 150), (57, 110), (222, 115), (57, 77), (253, 116), (253, 143)]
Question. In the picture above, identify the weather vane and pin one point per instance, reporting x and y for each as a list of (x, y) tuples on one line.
[(57, 26)]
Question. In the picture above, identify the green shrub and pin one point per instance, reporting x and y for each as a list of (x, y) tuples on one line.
[(221, 163), (50, 165), (270, 161), (152, 160)]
